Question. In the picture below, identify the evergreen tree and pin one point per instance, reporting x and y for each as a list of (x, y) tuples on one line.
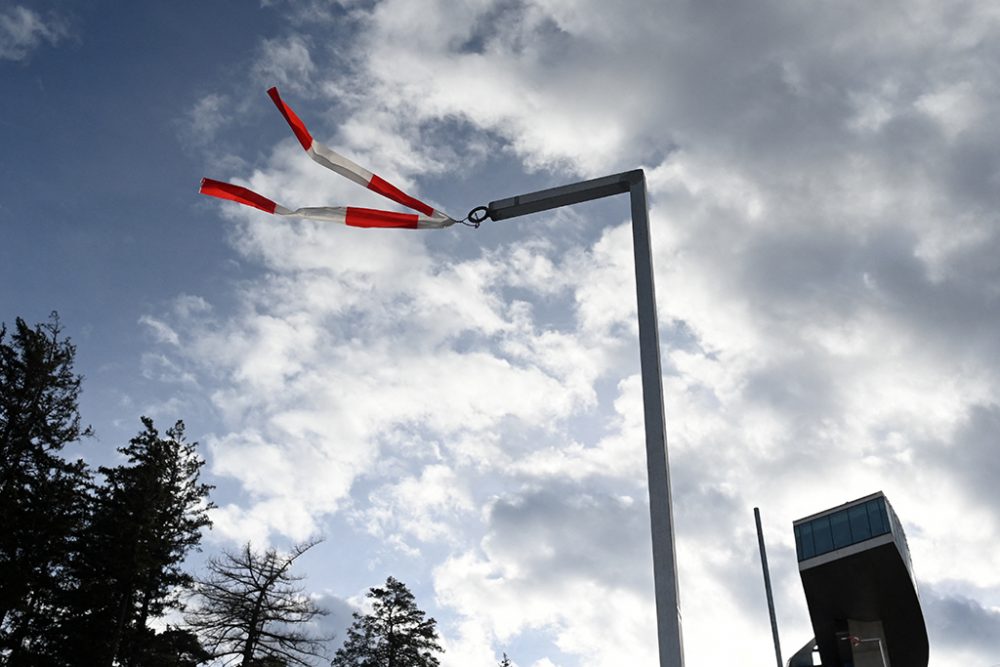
[(146, 517), (395, 634), (41, 493), (251, 608), (171, 648)]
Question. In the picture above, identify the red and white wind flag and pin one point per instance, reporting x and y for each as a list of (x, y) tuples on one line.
[(425, 218)]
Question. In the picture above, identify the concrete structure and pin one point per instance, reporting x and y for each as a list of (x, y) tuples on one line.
[(859, 584)]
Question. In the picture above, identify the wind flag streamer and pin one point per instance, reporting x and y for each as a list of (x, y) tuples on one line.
[(425, 218)]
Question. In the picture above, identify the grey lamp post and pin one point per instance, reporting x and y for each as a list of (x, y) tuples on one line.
[(668, 615)]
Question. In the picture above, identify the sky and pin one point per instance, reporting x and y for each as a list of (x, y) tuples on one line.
[(461, 408)]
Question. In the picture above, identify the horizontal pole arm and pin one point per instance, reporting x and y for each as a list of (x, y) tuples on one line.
[(564, 195)]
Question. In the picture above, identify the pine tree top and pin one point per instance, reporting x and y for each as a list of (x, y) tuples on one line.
[(395, 634)]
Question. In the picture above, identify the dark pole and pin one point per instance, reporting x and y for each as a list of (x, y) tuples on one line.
[(668, 617), (767, 585)]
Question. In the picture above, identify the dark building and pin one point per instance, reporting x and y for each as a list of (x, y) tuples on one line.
[(859, 584)]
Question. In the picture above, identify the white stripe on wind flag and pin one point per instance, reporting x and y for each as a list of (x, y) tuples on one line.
[(426, 218)]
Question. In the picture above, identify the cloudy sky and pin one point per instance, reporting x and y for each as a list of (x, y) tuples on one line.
[(461, 408)]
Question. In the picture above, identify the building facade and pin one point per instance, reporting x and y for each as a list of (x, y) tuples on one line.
[(862, 596)]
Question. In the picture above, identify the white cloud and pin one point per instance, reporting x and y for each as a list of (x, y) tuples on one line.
[(538, 572), (207, 117), (285, 63), (825, 236), (23, 30), (160, 330), (423, 506)]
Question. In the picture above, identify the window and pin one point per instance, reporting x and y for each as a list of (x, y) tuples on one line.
[(860, 530), (885, 517), (822, 536), (877, 516), (806, 541), (841, 529)]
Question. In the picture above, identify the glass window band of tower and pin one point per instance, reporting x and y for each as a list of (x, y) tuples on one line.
[(841, 529)]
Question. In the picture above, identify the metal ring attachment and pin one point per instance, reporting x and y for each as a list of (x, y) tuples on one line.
[(479, 214)]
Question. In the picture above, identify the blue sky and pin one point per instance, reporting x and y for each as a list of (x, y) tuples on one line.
[(460, 409)]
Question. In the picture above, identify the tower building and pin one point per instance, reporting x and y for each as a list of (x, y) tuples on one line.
[(860, 589)]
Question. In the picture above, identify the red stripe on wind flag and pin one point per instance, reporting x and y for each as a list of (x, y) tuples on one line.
[(298, 127), (390, 191), (236, 193), (369, 217)]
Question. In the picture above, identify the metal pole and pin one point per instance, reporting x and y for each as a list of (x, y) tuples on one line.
[(668, 615), (661, 512), (767, 585)]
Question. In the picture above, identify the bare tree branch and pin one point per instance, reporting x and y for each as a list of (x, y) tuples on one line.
[(250, 607)]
